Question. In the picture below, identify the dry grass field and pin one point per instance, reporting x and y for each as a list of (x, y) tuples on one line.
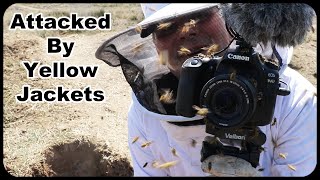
[(78, 139)]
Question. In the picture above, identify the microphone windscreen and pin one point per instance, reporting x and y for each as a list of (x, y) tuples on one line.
[(285, 24)]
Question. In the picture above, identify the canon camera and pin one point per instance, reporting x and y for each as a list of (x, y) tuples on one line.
[(238, 89)]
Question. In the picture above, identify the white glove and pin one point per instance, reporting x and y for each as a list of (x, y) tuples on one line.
[(224, 165)]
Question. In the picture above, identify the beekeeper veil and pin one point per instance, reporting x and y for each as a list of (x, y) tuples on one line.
[(134, 51)]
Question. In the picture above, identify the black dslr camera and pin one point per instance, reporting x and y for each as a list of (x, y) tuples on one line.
[(239, 90)]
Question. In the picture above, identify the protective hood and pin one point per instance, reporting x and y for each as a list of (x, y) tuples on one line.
[(134, 50)]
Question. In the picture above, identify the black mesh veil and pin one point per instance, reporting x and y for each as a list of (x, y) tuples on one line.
[(134, 50), (139, 62)]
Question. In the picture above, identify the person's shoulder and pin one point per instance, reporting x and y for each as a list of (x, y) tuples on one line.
[(296, 80)]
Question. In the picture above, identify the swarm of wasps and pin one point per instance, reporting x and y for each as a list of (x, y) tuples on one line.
[(156, 164), (182, 51), (167, 96), (185, 29), (210, 51)]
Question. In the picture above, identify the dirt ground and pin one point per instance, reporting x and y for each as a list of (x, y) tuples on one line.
[(78, 139)]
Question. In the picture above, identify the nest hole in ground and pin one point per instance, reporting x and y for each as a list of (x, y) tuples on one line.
[(80, 159)]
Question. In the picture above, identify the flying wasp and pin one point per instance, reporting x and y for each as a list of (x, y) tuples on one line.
[(174, 152), (135, 139), (283, 155), (138, 29), (167, 164), (167, 97), (274, 122), (146, 144), (164, 26), (145, 164), (212, 49), (192, 23), (193, 143), (155, 164), (233, 75), (163, 57), (201, 111), (292, 167), (137, 47), (184, 51), (261, 169)]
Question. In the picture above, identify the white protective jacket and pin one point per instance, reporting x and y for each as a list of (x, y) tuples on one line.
[(294, 134)]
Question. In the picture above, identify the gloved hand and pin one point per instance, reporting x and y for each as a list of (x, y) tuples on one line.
[(224, 165)]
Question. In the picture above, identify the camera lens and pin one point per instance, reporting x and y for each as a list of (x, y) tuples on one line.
[(231, 103), (226, 103)]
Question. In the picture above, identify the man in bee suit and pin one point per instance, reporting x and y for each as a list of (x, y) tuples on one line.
[(165, 144)]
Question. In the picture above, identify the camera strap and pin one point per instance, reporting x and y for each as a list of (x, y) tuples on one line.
[(275, 52)]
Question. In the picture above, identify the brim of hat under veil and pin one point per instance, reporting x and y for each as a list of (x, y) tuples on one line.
[(169, 12)]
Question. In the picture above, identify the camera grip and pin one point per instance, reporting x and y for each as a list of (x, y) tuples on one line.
[(186, 88)]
